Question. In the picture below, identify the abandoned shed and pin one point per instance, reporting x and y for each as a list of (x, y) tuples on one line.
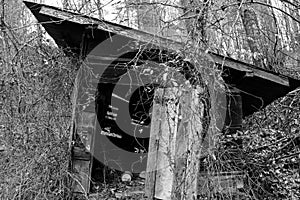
[(105, 112)]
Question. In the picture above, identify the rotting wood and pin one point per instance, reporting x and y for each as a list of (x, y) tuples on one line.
[(63, 15), (153, 150), (160, 163), (82, 157), (234, 112), (174, 136), (81, 154), (188, 146), (81, 179), (167, 141)]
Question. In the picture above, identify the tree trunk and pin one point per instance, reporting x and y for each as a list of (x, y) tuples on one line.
[(65, 4), (196, 14), (251, 26)]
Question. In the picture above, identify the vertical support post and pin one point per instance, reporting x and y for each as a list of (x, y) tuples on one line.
[(234, 114), (160, 163), (175, 144), (83, 132), (189, 146), (82, 155)]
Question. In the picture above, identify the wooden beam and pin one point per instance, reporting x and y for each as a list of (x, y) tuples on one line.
[(82, 160), (250, 70), (153, 151), (66, 16)]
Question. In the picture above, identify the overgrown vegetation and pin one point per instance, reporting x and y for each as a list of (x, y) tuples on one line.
[(36, 81)]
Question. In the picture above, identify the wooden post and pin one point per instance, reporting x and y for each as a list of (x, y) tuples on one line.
[(234, 114), (160, 163), (188, 147), (83, 132), (81, 155), (175, 144)]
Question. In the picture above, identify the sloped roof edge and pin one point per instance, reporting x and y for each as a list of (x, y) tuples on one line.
[(150, 38), (256, 82)]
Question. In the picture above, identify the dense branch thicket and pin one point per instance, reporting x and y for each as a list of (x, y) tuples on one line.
[(35, 110), (35, 122)]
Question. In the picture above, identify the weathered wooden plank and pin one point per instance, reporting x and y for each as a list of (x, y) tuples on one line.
[(81, 154), (86, 128), (176, 126), (180, 152), (153, 148), (166, 154), (234, 112), (81, 173), (250, 70), (82, 160), (160, 165), (68, 16), (194, 145), (188, 146), (162, 143)]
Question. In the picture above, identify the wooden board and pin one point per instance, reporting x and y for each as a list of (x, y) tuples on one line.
[(166, 150), (188, 146), (161, 153), (81, 176), (175, 145), (82, 156), (153, 149)]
